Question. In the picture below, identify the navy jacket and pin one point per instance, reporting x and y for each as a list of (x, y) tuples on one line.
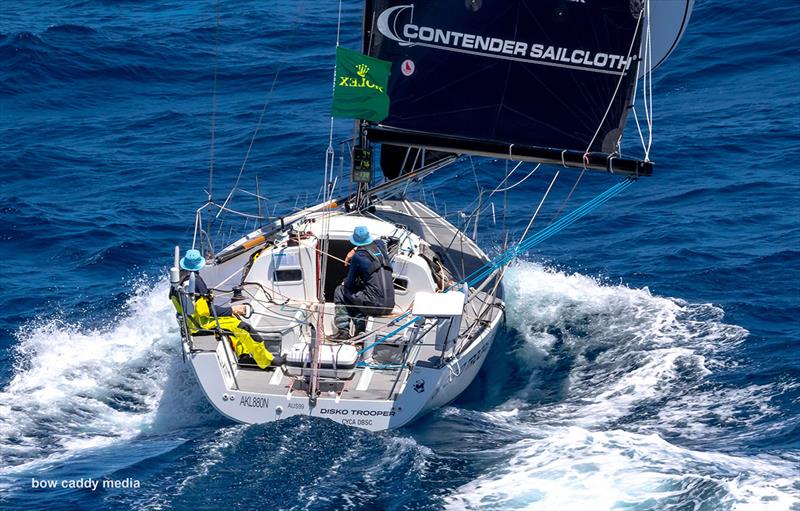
[(370, 277)]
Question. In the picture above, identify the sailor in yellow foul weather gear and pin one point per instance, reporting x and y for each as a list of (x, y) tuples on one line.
[(244, 339)]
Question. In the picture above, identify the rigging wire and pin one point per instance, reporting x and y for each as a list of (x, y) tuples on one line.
[(568, 197), (505, 200), (480, 208), (552, 229), (322, 260), (518, 182), (214, 107), (647, 89), (616, 90), (508, 175), (480, 200), (225, 206), (213, 131), (329, 153), (544, 197), (252, 141)]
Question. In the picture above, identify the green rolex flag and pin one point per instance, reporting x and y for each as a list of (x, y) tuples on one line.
[(360, 88)]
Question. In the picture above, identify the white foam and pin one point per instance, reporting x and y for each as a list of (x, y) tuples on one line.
[(635, 369), (77, 388), (625, 345), (576, 469), (391, 456), (212, 454)]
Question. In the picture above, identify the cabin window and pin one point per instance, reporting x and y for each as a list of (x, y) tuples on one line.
[(400, 285), (288, 275)]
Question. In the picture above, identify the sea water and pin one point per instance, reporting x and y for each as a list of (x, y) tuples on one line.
[(649, 360)]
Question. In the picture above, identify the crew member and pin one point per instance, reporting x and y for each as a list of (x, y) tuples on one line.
[(368, 288), (244, 339)]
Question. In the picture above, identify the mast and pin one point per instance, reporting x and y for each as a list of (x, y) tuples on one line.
[(362, 171)]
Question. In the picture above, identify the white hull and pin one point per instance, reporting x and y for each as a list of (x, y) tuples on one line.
[(425, 389), (438, 357)]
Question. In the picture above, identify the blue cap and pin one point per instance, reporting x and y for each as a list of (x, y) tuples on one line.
[(193, 260), (361, 236)]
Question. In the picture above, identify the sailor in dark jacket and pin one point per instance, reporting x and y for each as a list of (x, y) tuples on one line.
[(368, 288)]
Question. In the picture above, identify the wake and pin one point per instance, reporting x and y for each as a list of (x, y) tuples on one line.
[(75, 389), (618, 410)]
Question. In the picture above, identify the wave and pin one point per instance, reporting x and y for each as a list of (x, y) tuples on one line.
[(609, 344), (67, 28), (76, 389), (300, 462), (577, 469), (613, 406), (619, 409)]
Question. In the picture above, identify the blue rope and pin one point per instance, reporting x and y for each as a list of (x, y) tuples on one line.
[(547, 232), (551, 230), (390, 334), (380, 366)]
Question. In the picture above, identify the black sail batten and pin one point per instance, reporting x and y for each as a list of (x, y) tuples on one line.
[(541, 76), (521, 152)]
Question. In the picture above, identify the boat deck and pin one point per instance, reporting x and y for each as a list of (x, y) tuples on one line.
[(368, 382), (459, 252), (460, 255)]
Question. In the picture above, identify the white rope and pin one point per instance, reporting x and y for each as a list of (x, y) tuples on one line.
[(518, 182), (321, 260), (508, 175), (639, 129), (544, 197), (480, 208), (616, 89), (647, 90)]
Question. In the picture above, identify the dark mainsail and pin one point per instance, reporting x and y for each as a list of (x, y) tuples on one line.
[(547, 80), (398, 160)]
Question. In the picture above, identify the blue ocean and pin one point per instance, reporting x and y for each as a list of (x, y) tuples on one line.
[(650, 357)]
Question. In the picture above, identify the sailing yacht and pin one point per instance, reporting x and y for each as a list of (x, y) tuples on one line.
[(545, 81)]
